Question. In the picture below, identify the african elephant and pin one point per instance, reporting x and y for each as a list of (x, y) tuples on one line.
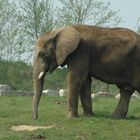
[(111, 55)]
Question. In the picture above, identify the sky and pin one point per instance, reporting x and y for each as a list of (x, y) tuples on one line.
[(129, 11)]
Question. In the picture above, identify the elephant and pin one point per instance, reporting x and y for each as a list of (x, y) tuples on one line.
[(111, 55)]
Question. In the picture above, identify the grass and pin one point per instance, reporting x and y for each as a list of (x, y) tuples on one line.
[(52, 111)]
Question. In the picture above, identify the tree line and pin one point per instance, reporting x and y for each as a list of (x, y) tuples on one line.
[(22, 22)]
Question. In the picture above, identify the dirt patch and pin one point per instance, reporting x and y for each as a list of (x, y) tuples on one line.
[(30, 127)]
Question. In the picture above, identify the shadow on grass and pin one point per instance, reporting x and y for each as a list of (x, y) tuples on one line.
[(133, 117), (107, 115), (104, 114)]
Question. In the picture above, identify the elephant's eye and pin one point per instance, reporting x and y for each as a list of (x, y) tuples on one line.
[(43, 55)]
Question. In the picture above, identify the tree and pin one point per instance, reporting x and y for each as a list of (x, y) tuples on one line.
[(87, 11), (10, 47), (36, 17)]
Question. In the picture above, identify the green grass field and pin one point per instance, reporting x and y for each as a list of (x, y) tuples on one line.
[(52, 111)]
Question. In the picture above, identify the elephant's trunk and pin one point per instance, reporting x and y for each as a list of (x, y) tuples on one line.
[(38, 85), (38, 80)]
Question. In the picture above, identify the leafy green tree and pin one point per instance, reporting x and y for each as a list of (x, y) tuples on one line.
[(35, 17), (9, 33), (87, 11)]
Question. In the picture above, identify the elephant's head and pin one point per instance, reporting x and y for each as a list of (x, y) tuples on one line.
[(51, 51)]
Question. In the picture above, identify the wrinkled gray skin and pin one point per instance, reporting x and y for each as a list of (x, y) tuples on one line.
[(111, 55)]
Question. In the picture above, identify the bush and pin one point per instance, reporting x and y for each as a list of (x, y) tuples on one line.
[(18, 75)]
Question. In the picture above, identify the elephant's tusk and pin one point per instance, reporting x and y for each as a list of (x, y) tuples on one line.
[(41, 74)]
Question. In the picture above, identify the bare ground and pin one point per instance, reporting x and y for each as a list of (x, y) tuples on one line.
[(29, 127)]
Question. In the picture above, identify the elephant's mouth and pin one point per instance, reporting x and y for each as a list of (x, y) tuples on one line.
[(42, 73), (45, 68), (48, 68)]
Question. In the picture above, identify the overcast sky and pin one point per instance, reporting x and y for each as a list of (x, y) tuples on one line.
[(129, 11)]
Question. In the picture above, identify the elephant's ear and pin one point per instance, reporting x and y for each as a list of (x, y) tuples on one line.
[(67, 42)]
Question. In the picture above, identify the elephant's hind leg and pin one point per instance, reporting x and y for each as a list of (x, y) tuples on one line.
[(122, 107), (85, 96)]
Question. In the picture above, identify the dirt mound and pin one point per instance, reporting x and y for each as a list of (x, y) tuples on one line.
[(29, 127)]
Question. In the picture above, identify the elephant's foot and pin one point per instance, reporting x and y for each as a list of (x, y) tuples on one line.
[(122, 107), (119, 114), (72, 115), (89, 114)]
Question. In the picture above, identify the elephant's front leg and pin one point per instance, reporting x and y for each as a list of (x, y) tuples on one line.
[(122, 108), (74, 88), (85, 96)]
